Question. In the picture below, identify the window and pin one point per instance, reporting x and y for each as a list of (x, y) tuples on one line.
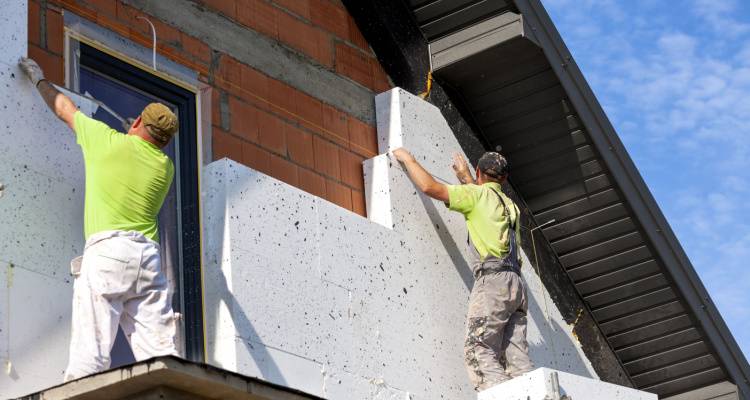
[(125, 90)]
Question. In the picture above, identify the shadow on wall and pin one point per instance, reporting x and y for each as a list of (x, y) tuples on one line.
[(553, 348), (260, 355), (451, 247)]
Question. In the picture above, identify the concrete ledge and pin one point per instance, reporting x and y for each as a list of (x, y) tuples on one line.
[(168, 378)]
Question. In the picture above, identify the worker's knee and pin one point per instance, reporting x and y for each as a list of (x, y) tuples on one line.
[(476, 330), (475, 333), (158, 339)]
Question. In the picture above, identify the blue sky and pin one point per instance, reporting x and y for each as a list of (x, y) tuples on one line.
[(674, 79)]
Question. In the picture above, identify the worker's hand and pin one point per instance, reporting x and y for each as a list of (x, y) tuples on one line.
[(402, 155), (461, 167), (31, 69)]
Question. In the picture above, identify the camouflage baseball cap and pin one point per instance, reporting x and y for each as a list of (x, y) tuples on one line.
[(493, 164), (161, 121)]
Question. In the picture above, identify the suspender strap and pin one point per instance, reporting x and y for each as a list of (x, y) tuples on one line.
[(512, 222)]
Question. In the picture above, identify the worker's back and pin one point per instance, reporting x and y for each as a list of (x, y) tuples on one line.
[(127, 179), (487, 220)]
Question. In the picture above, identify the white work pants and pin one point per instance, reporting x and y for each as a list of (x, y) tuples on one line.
[(119, 281)]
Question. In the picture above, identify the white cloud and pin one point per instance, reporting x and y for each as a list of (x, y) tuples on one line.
[(743, 55), (719, 15), (677, 45), (703, 7)]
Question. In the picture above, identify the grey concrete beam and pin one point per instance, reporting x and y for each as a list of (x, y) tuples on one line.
[(263, 54), (168, 378)]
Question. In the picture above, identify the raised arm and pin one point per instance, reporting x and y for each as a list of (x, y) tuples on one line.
[(60, 104), (421, 178)]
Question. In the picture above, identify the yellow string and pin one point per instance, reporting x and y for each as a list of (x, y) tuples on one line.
[(426, 93)]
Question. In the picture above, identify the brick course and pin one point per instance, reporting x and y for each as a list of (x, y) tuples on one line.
[(257, 120)]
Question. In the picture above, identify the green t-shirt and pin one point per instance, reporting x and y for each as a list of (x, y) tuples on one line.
[(485, 217), (127, 179)]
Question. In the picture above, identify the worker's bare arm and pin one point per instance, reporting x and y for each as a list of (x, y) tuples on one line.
[(461, 167), (59, 103), (421, 178)]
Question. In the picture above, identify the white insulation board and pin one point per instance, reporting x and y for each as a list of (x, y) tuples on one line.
[(41, 214), (538, 385), (374, 307)]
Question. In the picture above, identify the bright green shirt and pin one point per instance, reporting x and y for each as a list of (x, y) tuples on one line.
[(485, 217), (127, 179)]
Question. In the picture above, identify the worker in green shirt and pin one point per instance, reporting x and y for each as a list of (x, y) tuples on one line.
[(495, 349), (119, 280)]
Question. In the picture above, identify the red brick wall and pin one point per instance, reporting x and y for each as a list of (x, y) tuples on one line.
[(271, 126)]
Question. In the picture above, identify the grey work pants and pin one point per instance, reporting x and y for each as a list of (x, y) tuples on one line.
[(496, 348)]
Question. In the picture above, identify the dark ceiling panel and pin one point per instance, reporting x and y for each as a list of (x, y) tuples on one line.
[(583, 239), (615, 262), (439, 18), (627, 290), (650, 332), (578, 206), (668, 357), (488, 96), (625, 308), (584, 222), (601, 250), (554, 197), (537, 98), (656, 346), (619, 278), (675, 371), (668, 387), (430, 11), (645, 317), (531, 152)]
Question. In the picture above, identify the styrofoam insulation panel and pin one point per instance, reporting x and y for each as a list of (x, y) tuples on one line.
[(41, 216), (36, 320), (537, 385), (379, 303), (13, 30)]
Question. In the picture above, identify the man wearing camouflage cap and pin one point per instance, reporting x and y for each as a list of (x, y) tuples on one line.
[(495, 349), (119, 279)]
